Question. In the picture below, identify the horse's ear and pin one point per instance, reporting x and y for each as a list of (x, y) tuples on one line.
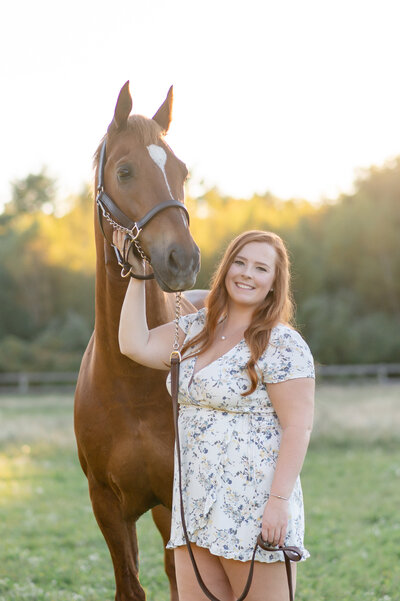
[(123, 108), (164, 114)]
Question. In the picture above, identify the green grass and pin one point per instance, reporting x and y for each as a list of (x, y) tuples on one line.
[(51, 548)]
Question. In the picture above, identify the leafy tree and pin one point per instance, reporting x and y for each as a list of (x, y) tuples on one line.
[(345, 260), (33, 193)]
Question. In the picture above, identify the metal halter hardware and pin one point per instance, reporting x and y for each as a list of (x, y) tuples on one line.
[(107, 208)]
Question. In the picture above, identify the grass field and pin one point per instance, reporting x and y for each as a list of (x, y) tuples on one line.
[(51, 548)]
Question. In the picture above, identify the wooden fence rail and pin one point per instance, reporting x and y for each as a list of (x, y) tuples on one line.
[(384, 372), (23, 382)]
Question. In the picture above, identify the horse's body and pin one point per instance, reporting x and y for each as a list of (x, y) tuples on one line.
[(123, 413)]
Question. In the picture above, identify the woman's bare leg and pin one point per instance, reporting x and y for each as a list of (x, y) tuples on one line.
[(211, 571), (269, 579)]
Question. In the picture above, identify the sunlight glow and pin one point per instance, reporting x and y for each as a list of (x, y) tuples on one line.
[(288, 96), (13, 481)]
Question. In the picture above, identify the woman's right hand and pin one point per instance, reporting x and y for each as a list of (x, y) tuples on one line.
[(275, 521), (123, 243)]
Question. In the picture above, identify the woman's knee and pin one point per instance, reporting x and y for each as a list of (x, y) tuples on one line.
[(211, 571), (269, 579)]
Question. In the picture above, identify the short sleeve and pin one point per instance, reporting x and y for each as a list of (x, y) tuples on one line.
[(192, 321), (287, 357)]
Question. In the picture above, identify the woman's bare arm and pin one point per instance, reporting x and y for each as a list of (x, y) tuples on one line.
[(147, 347), (293, 401)]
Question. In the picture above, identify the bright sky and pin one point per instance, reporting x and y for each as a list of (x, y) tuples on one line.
[(288, 96)]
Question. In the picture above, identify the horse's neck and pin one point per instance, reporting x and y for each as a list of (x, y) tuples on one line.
[(109, 296)]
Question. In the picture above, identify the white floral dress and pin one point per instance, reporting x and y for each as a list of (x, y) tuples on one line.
[(230, 444)]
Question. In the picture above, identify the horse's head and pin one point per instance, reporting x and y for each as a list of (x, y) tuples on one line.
[(141, 173)]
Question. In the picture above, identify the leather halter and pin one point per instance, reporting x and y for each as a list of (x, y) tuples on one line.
[(107, 208)]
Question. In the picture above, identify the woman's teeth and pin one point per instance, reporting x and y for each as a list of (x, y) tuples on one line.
[(244, 286)]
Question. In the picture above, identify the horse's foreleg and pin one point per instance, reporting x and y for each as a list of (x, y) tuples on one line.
[(162, 519), (120, 536)]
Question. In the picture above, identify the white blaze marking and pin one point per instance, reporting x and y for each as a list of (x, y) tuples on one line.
[(159, 156)]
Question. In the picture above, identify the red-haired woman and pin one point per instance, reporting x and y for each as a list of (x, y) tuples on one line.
[(246, 396)]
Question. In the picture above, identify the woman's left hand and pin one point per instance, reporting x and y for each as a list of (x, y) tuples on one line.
[(120, 240), (275, 521)]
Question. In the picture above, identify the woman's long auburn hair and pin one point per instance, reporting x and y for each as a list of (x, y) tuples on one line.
[(277, 306)]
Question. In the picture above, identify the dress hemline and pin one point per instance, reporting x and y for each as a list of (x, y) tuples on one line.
[(231, 555)]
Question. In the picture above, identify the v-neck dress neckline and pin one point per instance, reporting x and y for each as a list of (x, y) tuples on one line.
[(194, 372)]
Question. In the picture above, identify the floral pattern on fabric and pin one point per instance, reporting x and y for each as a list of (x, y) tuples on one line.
[(230, 445)]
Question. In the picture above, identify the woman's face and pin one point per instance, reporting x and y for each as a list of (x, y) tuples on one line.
[(251, 274)]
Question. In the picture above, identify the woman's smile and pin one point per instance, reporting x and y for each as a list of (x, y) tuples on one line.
[(244, 286)]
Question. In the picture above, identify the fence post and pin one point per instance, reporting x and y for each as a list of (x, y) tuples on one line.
[(23, 383), (382, 374)]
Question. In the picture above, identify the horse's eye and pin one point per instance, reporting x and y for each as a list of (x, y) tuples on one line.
[(124, 173)]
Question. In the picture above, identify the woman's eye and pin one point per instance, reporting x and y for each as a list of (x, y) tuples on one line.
[(124, 173), (261, 268), (238, 262)]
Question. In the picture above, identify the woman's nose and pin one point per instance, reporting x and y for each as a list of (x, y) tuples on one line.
[(247, 271)]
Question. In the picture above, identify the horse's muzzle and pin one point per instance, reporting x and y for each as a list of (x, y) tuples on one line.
[(176, 269)]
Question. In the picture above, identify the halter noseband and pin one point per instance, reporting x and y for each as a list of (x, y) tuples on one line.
[(107, 208)]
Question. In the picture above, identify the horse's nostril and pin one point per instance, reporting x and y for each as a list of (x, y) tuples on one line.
[(173, 261), (176, 266)]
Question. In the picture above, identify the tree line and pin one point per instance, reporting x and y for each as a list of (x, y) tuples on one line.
[(345, 257)]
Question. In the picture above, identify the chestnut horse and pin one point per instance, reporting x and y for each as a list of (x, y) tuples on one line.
[(123, 413)]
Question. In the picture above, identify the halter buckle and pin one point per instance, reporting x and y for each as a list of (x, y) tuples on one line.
[(100, 204)]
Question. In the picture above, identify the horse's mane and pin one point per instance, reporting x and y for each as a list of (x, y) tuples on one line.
[(146, 130)]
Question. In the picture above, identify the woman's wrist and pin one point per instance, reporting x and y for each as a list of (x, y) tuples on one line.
[(271, 494)]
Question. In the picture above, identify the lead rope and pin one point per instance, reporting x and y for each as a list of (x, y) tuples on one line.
[(290, 553)]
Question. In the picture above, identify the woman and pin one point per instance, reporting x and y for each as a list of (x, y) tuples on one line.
[(246, 396)]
